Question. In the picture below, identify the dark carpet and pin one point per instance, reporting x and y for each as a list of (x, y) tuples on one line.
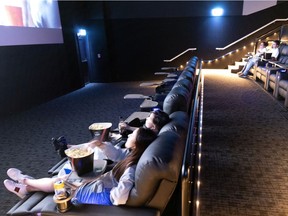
[(245, 149), (25, 137)]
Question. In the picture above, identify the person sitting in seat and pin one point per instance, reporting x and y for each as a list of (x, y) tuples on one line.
[(252, 61), (275, 50), (111, 188), (155, 121)]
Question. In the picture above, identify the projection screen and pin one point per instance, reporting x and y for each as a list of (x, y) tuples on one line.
[(25, 22)]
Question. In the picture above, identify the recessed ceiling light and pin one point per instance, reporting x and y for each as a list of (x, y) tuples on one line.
[(217, 12)]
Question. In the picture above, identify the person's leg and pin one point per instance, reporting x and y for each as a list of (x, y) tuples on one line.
[(42, 184), (243, 69), (29, 185), (249, 65)]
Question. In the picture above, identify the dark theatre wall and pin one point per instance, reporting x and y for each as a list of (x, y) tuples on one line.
[(132, 38), (33, 74)]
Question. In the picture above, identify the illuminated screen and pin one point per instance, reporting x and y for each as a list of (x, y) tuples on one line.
[(24, 22)]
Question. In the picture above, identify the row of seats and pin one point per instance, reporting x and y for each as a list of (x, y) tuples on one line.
[(274, 74), (179, 88), (158, 187)]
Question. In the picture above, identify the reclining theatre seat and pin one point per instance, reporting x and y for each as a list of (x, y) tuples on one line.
[(158, 170), (156, 177), (268, 74), (275, 77)]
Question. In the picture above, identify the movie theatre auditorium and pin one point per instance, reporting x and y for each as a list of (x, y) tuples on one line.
[(223, 152)]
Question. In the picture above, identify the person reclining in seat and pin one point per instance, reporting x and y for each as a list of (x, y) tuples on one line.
[(155, 121), (275, 50), (106, 150), (111, 188), (252, 61)]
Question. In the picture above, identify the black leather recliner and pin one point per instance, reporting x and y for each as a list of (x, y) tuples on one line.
[(157, 175)]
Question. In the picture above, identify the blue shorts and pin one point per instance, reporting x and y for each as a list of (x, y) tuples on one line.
[(92, 193)]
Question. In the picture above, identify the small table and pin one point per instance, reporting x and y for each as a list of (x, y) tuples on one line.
[(140, 115)]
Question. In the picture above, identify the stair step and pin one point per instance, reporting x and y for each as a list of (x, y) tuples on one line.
[(232, 67), (237, 70), (240, 63)]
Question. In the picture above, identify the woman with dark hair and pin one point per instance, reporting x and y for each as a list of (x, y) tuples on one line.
[(155, 121), (111, 188)]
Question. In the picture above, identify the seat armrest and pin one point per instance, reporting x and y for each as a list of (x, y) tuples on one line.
[(282, 66), (283, 75), (273, 69), (40, 203), (100, 210), (262, 63)]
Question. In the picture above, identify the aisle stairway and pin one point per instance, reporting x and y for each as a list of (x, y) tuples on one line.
[(238, 66)]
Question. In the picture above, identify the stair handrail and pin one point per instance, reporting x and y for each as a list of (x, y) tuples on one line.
[(276, 20), (189, 49)]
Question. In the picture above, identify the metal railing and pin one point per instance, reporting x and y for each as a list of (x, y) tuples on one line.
[(177, 56), (248, 35), (189, 174)]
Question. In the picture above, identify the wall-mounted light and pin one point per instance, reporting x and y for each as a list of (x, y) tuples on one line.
[(217, 11), (81, 32)]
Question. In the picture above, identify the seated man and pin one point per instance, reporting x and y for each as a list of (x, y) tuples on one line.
[(155, 121), (273, 54), (275, 50)]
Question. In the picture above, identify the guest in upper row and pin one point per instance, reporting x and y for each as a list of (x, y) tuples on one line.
[(275, 50), (255, 58)]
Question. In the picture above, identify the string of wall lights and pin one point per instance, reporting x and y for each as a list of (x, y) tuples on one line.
[(227, 54), (197, 200), (236, 50), (231, 52), (219, 58)]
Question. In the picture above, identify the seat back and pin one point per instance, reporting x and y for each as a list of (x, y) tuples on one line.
[(158, 170), (176, 100), (283, 53)]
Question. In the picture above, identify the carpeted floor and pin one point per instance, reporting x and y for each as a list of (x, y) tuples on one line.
[(244, 152), (244, 163), (25, 137)]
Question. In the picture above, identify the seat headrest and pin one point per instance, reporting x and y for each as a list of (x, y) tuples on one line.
[(178, 122), (284, 50), (176, 100), (185, 83), (186, 75)]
